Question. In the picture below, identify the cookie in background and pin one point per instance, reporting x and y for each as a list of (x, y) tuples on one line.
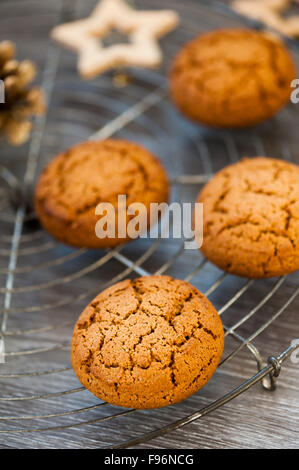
[(232, 78)]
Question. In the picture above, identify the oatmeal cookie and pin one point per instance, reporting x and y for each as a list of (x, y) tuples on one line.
[(232, 78), (147, 343)]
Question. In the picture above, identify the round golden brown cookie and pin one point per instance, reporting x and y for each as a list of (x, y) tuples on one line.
[(147, 343), (232, 78), (77, 180), (251, 218)]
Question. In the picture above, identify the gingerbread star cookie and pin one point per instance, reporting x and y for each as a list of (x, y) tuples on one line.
[(143, 28), (271, 13)]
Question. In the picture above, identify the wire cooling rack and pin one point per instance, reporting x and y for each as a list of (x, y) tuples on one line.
[(45, 285)]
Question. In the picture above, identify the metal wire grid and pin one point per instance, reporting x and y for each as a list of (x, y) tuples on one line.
[(151, 100)]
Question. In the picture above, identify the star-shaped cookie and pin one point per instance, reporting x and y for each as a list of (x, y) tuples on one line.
[(271, 13), (142, 27)]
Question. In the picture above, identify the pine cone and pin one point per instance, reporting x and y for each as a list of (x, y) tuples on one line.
[(21, 102)]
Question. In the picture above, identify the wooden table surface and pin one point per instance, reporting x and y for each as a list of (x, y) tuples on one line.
[(39, 400)]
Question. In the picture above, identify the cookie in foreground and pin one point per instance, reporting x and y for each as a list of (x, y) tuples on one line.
[(93, 172), (232, 77), (147, 343), (251, 218)]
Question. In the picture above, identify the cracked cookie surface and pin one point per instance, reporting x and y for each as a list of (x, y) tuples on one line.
[(77, 180), (251, 218), (147, 343), (232, 78)]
